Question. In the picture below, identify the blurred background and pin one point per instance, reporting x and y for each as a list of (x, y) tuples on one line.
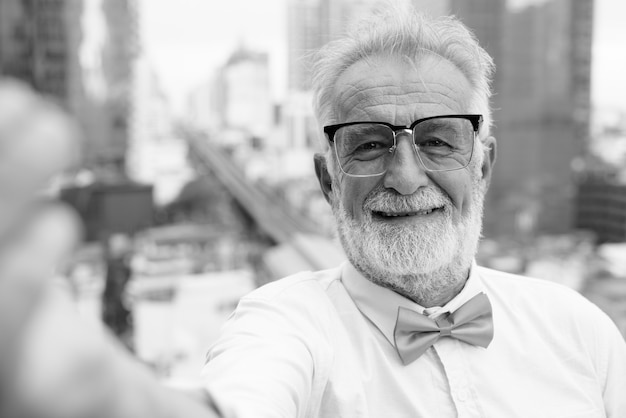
[(193, 182)]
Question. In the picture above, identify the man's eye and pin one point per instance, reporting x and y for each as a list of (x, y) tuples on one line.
[(434, 142), (369, 146)]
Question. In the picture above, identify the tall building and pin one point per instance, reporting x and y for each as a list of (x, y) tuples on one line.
[(150, 124), (304, 34), (200, 113), (43, 44), (108, 52), (433, 7), (118, 57), (543, 115), (13, 39), (601, 208), (155, 154), (39, 44), (542, 52), (244, 94)]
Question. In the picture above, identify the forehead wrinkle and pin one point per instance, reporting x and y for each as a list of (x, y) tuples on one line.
[(448, 93), (364, 113), (397, 91), (365, 94), (361, 90), (386, 106)]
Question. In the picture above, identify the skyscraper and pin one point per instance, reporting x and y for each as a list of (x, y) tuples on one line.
[(542, 116), (601, 208), (118, 58), (248, 102), (108, 52), (39, 44), (304, 35), (42, 42)]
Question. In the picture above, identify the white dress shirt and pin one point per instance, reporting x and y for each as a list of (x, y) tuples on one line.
[(321, 345)]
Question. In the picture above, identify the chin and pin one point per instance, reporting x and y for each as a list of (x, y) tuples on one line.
[(418, 261)]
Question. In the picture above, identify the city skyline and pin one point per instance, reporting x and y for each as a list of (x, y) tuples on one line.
[(203, 36)]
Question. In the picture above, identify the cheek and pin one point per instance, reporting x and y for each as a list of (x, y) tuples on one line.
[(353, 192), (458, 186)]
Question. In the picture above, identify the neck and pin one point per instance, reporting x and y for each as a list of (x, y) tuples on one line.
[(437, 297), (433, 289)]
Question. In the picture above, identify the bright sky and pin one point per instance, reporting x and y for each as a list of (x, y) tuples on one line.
[(609, 55), (188, 39)]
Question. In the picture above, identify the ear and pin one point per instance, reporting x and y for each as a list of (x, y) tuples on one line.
[(489, 159), (323, 176)]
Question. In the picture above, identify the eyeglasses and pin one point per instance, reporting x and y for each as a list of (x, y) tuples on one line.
[(442, 143)]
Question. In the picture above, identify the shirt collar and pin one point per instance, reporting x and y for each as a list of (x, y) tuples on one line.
[(380, 305)]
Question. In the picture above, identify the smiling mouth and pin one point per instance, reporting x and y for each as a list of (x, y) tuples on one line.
[(424, 212)]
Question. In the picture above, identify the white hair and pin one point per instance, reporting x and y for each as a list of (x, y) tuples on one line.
[(401, 31)]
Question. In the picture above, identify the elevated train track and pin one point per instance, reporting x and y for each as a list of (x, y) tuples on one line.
[(299, 245)]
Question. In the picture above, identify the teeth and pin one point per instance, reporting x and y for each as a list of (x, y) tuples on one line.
[(421, 212)]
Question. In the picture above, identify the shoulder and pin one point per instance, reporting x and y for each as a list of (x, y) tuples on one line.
[(551, 316), (307, 283), (302, 295), (523, 286), (292, 317), (543, 300), (274, 354), (295, 304)]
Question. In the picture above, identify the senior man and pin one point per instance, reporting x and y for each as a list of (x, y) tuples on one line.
[(409, 326)]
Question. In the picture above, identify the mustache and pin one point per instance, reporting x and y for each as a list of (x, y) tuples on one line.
[(385, 200)]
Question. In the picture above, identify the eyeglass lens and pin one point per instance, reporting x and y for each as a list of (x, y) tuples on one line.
[(442, 144)]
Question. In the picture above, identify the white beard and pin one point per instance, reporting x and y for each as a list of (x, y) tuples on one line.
[(422, 261)]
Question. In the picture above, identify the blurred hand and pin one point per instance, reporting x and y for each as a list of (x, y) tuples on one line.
[(20, 294), (66, 365), (69, 368), (52, 364)]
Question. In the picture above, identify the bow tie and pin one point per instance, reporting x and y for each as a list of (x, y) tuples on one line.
[(471, 323)]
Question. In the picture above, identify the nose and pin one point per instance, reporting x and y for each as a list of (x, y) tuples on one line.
[(405, 173)]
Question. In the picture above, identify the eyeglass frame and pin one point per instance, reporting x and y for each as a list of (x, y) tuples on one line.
[(475, 119)]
